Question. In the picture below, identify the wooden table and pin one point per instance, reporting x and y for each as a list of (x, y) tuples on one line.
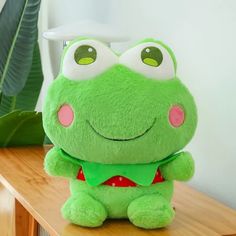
[(29, 197)]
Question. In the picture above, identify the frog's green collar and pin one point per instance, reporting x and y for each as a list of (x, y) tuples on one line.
[(97, 173)]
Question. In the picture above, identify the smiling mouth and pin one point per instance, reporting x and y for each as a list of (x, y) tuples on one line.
[(123, 139)]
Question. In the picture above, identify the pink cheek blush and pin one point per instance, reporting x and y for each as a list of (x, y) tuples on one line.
[(176, 116), (65, 115)]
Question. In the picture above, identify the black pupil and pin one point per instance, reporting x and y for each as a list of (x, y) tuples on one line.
[(85, 55), (152, 56)]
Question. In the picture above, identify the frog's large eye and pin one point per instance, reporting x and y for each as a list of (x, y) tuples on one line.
[(85, 55), (152, 56), (87, 58), (150, 59)]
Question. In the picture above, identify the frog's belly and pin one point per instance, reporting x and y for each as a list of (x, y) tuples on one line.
[(117, 199)]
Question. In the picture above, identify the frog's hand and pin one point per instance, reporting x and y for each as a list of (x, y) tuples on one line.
[(181, 168), (56, 165)]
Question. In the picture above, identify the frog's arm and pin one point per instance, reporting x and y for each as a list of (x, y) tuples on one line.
[(181, 168), (56, 165)]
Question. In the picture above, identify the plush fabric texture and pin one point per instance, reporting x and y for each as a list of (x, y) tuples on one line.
[(119, 104), (116, 200), (151, 211), (119, 123), (84, 210)]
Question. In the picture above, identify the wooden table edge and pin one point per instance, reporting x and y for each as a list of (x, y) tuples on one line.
[(28, 207)]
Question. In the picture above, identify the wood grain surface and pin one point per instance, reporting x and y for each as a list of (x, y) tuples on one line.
[(25, 224), (22, 174), (7, 212)]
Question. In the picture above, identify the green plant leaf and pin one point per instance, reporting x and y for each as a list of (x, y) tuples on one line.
[(21, 128), (18, 35), (27, 98)]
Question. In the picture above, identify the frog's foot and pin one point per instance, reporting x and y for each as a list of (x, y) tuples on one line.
[(84, 210), (150, 212)]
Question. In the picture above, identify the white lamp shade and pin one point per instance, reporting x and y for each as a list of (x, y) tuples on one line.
[(103, 32)]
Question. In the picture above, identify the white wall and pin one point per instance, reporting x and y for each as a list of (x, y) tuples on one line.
[(203, 36)]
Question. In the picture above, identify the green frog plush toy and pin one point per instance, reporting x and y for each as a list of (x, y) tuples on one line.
[(118, 123)]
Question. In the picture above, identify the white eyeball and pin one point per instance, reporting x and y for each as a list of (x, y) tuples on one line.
[(150, 59), (87, 58)]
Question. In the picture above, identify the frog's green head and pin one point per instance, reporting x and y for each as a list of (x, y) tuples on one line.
[(128, 108)]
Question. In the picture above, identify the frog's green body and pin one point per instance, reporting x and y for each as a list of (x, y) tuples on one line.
[(120, 124)]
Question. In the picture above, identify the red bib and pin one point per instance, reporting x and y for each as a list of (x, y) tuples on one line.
[(120, 181)]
